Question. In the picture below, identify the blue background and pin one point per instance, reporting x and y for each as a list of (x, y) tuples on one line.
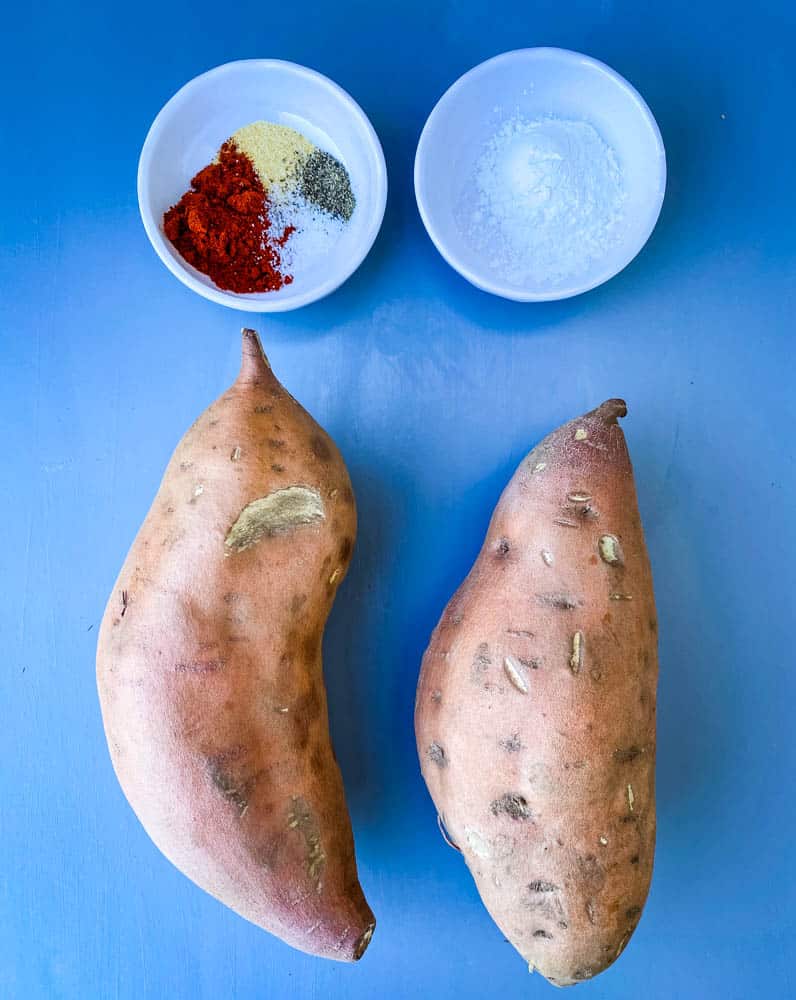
[(433, 391)]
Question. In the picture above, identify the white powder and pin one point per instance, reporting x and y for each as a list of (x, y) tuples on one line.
[(316, 233), (545, 201)]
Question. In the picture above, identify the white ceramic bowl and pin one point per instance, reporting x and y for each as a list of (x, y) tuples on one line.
[(186, 136), (537, 83)]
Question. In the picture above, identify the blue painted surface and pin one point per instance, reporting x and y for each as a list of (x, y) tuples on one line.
[(433, 391)]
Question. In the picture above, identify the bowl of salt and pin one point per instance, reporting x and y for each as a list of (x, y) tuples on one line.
[(540, 174)]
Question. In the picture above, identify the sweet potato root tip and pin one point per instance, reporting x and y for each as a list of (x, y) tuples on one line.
[(254, 363)]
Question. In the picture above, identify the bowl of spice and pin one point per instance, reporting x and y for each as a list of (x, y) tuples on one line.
[(540, 174), (262, 185)]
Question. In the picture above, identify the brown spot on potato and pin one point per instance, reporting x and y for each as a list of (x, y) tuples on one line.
[(316, 761), (623, 755), (348, 495), (276, 443), (541, 886), (503, 547), (635, 859), (345, 550), (436, 753), (512, 744), (512, 805), (276, 467), (200, 666), (320, 448), (224, 774), (297, 602), (632, 912), (436, 697), (263, 408), (543, 934), (592, 873)]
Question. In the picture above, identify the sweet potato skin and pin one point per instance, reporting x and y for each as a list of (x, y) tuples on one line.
[(535, 712), (209, 667)]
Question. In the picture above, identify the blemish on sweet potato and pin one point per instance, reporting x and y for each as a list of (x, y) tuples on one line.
[(276, 467), (301, 819), (541, 886), (481, 663), (563, 602), (320, 448), (276, 443), (277, 513), (200, 666), (512, 805), (297, 602), (436, 754), (576, 653), (513, 669), (610, 550), (224, 777), (543, 934), (511, 744), (503, 547)]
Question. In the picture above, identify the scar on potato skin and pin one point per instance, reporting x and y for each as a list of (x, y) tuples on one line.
[(563, 602), (220, 767), (301, 818), (511, 804), (277, 513), (436, 753)]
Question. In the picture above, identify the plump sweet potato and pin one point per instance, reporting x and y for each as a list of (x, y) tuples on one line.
[(535, 714), (209, 666)]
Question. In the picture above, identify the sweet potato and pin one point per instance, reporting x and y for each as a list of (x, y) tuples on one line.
[(209, 666), (535, 713)]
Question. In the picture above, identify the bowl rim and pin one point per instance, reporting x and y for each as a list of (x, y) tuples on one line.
[(257, 301), (495, 287)]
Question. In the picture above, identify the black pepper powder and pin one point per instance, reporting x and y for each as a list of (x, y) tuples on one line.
[(325, 182)]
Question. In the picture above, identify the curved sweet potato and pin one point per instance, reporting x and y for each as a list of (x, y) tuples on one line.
[(535, 714), (209, 666)]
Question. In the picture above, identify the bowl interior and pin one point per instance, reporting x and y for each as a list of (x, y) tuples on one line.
[(188, 131), (537, 83)]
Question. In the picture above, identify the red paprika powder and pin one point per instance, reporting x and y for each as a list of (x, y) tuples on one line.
[(221, 227)]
